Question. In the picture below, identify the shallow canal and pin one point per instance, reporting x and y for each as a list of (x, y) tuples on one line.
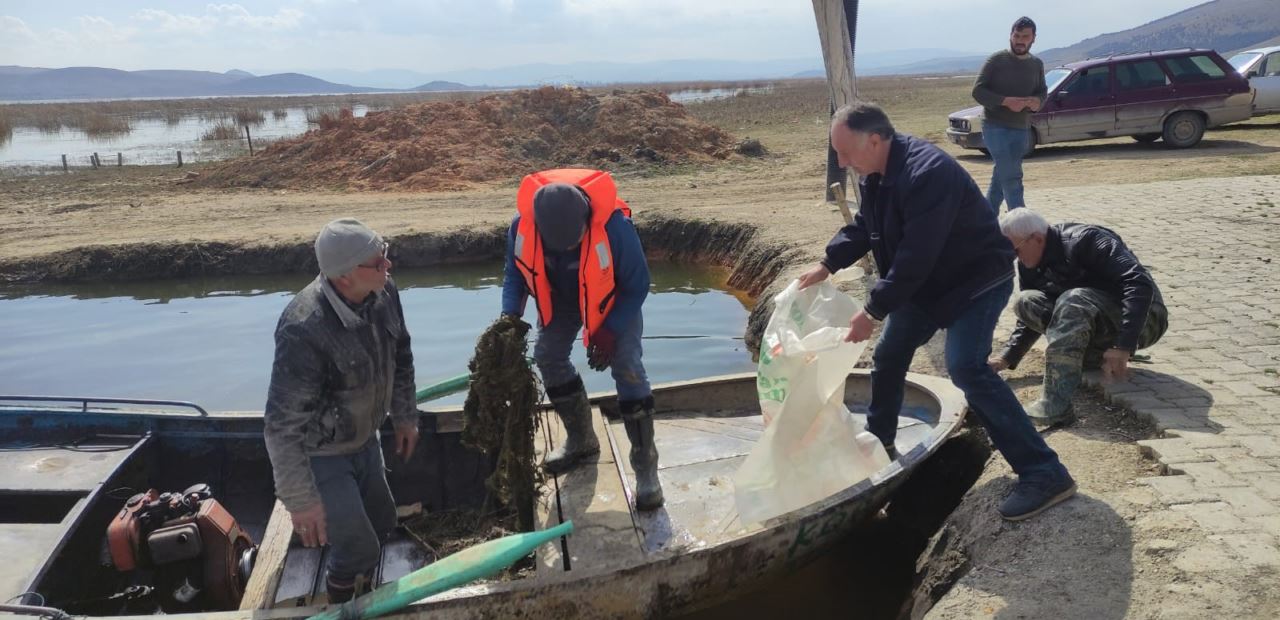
[(209, 341)]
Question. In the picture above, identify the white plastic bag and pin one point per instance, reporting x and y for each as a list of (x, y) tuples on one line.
[(812, 447)]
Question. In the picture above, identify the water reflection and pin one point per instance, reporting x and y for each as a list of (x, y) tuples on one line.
[(209, 340)]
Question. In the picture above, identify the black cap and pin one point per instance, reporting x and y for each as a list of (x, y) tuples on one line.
[(560, 210)]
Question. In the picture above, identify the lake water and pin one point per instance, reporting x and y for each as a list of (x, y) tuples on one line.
[(210, 341), (151, 141), (696, 95)]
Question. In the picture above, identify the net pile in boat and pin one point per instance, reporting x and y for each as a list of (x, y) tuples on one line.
[(500, 414)]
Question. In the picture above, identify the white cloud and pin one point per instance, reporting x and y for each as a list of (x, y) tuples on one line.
[(14, 30), (237, 16), (101, 30), (164, 21)]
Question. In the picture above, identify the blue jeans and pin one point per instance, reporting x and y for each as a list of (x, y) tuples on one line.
[(968, 347), (358, 508), (1007, 146), (555, 343)]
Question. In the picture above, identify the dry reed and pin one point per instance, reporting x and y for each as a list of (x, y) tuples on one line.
[(222, 131)]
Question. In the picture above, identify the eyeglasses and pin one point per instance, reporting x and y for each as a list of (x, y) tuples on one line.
[(381, 263), (1017, 246)]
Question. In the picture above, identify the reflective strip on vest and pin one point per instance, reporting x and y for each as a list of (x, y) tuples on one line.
[(602, 254), (519, 245)]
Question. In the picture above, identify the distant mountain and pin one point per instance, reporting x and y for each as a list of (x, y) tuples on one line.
[(1222, 25), (441, 85), (395, 79), (584, 73), (955, 65), (25, 84)]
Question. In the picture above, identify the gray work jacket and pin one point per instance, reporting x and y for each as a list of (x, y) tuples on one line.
[(338, 371)]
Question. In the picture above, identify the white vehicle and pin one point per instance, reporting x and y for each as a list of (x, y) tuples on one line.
[(1262, 68)]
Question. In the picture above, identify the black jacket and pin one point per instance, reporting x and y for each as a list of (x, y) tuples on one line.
[(935, 238), (1088, 256)]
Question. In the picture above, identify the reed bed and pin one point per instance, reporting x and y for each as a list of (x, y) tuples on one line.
[(249, 116), (280, 114), (99, 125), (222, 131)]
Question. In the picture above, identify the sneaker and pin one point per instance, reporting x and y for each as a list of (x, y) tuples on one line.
[(1032, 497)]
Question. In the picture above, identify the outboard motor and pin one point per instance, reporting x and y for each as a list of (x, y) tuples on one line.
[(200, 557)]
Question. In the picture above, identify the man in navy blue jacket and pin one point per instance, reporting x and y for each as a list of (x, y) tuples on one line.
[(943, 265)]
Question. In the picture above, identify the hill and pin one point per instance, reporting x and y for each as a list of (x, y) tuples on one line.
[(27, 83), (1222, 25)]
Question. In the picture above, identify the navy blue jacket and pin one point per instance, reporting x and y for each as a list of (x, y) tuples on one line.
[(935, 238), (630, 275)]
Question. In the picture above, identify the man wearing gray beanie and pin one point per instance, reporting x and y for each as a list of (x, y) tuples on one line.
[(342, 363), (573, 249)]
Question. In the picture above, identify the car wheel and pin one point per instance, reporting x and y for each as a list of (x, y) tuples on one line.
[(1147, 138), (985, 152), (1183, 129)]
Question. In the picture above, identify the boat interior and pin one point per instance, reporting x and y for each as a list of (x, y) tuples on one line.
[(73, 464)]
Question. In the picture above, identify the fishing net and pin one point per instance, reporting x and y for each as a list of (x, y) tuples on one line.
[(501, 414)]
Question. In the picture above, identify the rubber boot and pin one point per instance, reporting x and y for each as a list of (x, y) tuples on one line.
[(637, 418), (340, 592), (580, 443)]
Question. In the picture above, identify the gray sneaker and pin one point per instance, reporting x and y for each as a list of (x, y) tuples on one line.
[(1032, 497), (1040, 417)]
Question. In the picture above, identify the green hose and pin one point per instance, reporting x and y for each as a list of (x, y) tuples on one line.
[(460, 568)]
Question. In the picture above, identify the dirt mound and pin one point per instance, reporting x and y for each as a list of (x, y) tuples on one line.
[(451, 144)]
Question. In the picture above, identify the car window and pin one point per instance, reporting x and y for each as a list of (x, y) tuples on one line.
[(1140, 74), (1198, 68), (1242, 60), (1091, 81), (1271, 67), (1055, 77)]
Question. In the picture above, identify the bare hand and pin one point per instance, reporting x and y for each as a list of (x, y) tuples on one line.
[(1015, 104), (860, 327), (1033, 104), (1115, 365), (406, 441), (998, 364), (310, 526), (813, 276)]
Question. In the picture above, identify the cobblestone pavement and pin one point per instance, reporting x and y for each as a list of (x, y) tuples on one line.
[(1211, 385)]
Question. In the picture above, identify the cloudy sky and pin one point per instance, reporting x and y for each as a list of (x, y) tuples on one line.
[(443, 35)]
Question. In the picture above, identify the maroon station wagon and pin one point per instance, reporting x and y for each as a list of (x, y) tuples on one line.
[(1172, 95)]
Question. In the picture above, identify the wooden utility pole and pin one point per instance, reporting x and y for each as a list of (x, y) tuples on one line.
[(837, 31), (248, 138)]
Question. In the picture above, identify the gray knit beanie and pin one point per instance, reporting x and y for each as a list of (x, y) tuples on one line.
[(560, 210), (344, 243)]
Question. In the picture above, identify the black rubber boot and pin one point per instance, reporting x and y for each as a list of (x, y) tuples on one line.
[(637, 418), (580, 444)]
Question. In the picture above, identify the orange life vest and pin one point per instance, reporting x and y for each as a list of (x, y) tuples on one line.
[(595, 264)]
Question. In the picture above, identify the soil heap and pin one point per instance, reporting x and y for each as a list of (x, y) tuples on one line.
[(451, 144)]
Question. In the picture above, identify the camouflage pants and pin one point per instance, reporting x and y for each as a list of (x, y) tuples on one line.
[(1080, 325)]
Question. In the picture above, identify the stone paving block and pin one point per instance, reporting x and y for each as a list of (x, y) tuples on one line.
[(1267, 484), (1206, 475), (1260, 446), (1174, 490), (1247, 503), (1256, 549), (1214, 516), (1245, 388), (1172, 450), (1205, 557), (1269, 523), (1238, 461), (1201, 441)]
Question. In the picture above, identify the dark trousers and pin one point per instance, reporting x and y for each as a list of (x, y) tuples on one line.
[(967, 349), (359, 510)]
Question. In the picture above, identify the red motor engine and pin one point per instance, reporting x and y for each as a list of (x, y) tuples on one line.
[(200, 556)]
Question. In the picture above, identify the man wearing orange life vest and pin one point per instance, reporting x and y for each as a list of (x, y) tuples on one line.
[(573, 249)]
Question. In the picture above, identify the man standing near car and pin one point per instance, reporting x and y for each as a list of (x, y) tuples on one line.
[(1010, 88), (943, 265)]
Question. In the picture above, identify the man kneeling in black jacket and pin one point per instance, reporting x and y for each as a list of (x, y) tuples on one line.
[(1084, 289)]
